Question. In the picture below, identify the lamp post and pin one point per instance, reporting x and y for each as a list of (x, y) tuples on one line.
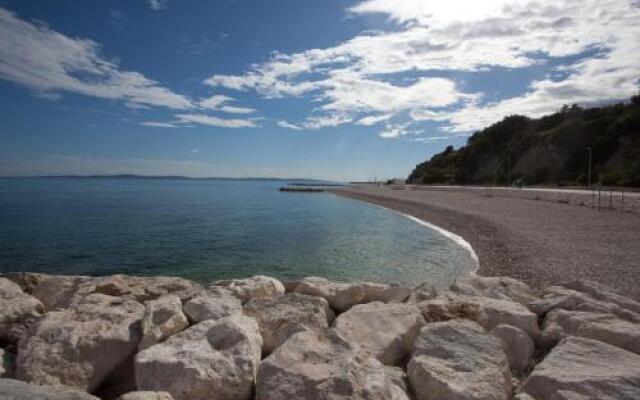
[(508, 171), (589, 168)]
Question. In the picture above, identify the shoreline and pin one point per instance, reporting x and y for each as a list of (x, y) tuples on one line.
[(538, 242), (459, 240)]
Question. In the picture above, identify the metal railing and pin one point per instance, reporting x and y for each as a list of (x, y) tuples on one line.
[(603, 200)]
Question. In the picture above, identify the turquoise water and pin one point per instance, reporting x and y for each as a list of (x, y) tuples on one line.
[(212, 229)]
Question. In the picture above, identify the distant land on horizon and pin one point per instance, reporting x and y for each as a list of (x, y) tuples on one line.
[(552, 150), (173, 177)]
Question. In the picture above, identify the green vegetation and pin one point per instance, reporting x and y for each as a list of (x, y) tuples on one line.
[(552, 150)]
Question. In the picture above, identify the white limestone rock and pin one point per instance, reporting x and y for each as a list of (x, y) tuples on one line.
[(82, 345), (387, 331), (213, 360), (584, 367), (340, 295), (523, 396), (488, 312), (386, 293), (603, 293), (60, 291), (18, 311), (54, 291), (519, 347), (459, 360), (280, 317), (604, 327), (11, 389), (142, 395), (422, 292), (496, 287), (143, 289), (398, 377), (322, 365), (163, 317), (569, 299), (255, 287), (212, 305)]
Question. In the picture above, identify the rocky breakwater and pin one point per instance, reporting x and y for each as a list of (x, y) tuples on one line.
[(163, 338)]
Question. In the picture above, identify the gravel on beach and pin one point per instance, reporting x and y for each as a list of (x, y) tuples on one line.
[(542, 243)]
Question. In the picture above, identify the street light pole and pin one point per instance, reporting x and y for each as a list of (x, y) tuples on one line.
[(508, 171), (589, 168)]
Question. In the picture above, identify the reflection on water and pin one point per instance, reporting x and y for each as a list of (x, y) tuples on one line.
[(211, 229)]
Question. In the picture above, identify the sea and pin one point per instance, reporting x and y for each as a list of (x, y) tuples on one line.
[(209, 229)]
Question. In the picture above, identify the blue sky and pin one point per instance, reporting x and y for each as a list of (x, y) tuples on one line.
[(343, 90)]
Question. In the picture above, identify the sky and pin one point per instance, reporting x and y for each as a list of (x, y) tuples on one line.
[(333, 89)]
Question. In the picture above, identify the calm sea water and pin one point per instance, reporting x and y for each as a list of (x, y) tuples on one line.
[(212, 229)]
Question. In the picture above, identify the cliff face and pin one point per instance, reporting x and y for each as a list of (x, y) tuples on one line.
[(549, 150)]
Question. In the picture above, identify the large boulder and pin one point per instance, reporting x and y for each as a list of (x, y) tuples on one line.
[(60, 291), (143, 289), (422, 292), (146, 395), (322, 365), (209, 305), (213, 360), (340, 295), (386, 293), (6, 364), (496, 287), (18, 312), (252, 288), (569, 299), (603, 293), (54, 291), (387, 331), (280, 317), (579, 368), (605, 327), (459, 360), (488, 312), (163, 317), (519, 347), (82, 345), (399, 379), (16, 390)]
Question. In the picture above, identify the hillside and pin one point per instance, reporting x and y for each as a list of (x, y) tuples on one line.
[(550, 150)]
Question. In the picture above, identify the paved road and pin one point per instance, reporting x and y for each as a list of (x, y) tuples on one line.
[(633, 193), (542, 243)]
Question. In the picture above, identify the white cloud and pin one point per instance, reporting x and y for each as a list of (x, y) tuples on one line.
[(48, 62), (359, 78), (356, 94), (218, 103), (331, 119), (392, 132), (429, 115), (215, 121), (214, 102), (237, 110), (159, 124), (426, 12), (373, 119), (157, 5), (285, 124)]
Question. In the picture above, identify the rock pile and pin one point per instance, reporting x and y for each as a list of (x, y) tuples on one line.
[(161, 338)]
